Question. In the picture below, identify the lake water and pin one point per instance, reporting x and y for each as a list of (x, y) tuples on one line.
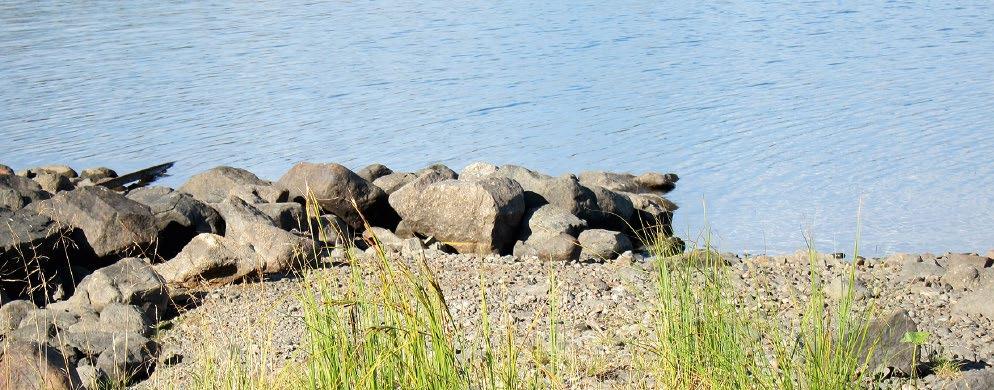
[(781, 116)]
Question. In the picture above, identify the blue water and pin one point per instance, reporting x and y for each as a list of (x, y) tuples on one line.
[(783, 116)]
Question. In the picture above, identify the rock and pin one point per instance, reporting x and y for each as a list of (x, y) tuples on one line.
[(129, 357), (385, 237), (963, 270), (393, 182), (374, 171), (471, 216), (839, 286), (898, 260), (6, 170), (330, 229), (111, 224), (16, 192), (31, 366), (12, 313), (98, 173), (130, 281), (441, 169), (403, 230), (603, 244), (44, 318), (657, 181), (90, 377), (288, 216), (978, 301), (614, 210), (53, 183), (278, 249), (982, 379), (622, 182), (33, 260), (886, 333), (259, 194), (549, 247), (61, 170), (214, 185), (564, 192), (478, 170), (120, 318), (334, 187), (210, 259), (653, 214), (919, 269), (178, 217), (549, 220)]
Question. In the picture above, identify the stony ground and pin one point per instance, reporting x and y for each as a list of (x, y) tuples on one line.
[(605, 309)]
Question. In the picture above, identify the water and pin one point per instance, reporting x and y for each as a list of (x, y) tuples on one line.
[(782, 116)]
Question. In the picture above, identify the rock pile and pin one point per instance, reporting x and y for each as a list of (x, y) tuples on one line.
[(88, 271)]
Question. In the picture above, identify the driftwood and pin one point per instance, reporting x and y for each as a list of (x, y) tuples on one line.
[(139, 178)]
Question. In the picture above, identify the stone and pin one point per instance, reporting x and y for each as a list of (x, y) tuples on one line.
[(111, 224), (32, 366), (130, 281), (374, 171), (12, 313), (121, 318), (97, 174), (385, 237), (330, 229), (53, 183), (564, 192), (335, 188), (30, 250), (550, 220), (549, 247), (978, 301), (90, 377), (178, 217), (885, 333), (603, 244), (6, 170), (41, 318), (61, 170), (130, 357), (622, 182), (478, 170), (17, 192), (479, 216), (210, 259), (442, 169), (839, 286), (614, 210), (919, 269), (214, 185), (278, 249), (963, 270), (982, 379), (659, 182), (653, 215), (394, 181), (288, 215), (259, 194)]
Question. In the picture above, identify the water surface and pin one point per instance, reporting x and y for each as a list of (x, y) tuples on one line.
[(780, 115)]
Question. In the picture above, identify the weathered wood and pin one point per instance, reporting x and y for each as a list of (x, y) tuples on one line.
[(142, 177)]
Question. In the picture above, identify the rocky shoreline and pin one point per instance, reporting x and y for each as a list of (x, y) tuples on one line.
[(125, 284)]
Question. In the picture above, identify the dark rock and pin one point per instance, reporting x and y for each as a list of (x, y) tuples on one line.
[(178, 217), (614, 210), (330, 229), (258, 194), (214, 185), (6, 170), (564, 191), (111, 224), (885, 334), (32, 255), (16, 192), (653, 215), (53, 183), (210, 259), (374, 171), (130, 281), (98, 173), (129, 357), (603, 244), (32, 366), (288, 216), (335, 188), (480, 216)]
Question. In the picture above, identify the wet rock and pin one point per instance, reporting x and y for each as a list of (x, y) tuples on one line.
[(549, 220), (32, 366), (478, 170), (374, 171), (603, 244), (210, 259), (335, 187), (16, 192), (53, 183), (886, 333), (259, 194), (288, 216), (549, 247), (130, 281), (394, 181), (178, 217), (471, 216), (214, 185), (97, 174), (111, 224)]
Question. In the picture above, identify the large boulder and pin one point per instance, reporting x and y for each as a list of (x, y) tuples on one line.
[(549, 220), (129, 357), (478, 170), (12, 313), (374, 171), (213, 185), (31, 366), (564, 191), (16, 192), (889, 352), (278, 249), (658, 182), (439, 168), (210, 259), (61, 170), (111, 224), (259, 194), (334, 187), (614, 210), (549, 247), (32, 255), (603, 244), (130, 281), (622, 182), (394, 181), (53, 183), (288, 215), (178, 217), (653, 214), (480, 216)]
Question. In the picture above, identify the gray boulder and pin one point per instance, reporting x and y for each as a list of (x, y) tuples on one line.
[(61, 170), (603, 244), (111, 224), (564, 191), (653, 214), (478, 170), (32, 255), (885, 333), (12, 313), (330, 229), (394, 181), (33, 366), (374, 171), (214, 185), (334, 187), (471, 216), (288, 215), (614, 210), (129, 356), (441, 169), (178, 217), (259, 194), (621, 182), (963, 270), (121, 318), (210, 259), (549, 220), (979, 301), (549, 247), (658, 182), (130, 281), (278, 249), (97, 174), (53, 183), (16, 192)]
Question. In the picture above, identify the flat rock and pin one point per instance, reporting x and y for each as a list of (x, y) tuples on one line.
[(549, 220), (549, 247), (210, 259)]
